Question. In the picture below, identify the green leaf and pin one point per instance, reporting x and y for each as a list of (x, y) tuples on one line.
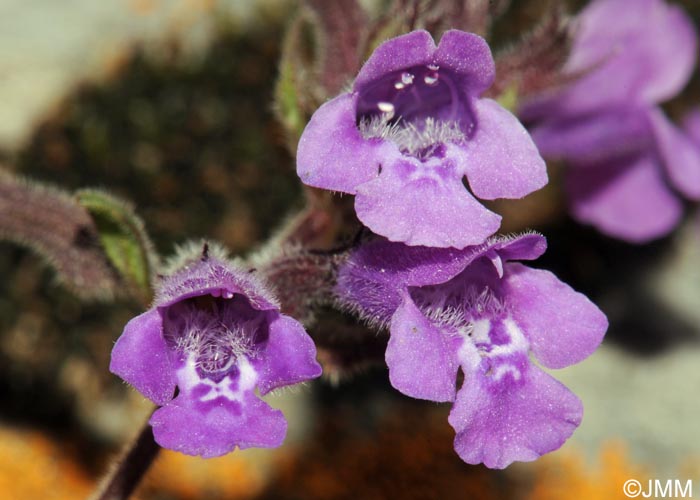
[(321, 53), (122, 236), (297, 92), (287, 105)]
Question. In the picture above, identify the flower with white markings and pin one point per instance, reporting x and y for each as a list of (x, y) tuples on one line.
[(407, 134), (216, 334), (473, 310)]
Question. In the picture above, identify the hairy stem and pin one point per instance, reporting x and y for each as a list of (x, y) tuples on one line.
[(130, 468), (57, 227)]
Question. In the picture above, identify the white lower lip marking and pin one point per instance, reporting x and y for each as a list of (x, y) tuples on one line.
[(471, 356), (188, 378)]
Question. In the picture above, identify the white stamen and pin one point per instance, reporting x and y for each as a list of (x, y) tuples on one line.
[(407, 78), (497, 263)]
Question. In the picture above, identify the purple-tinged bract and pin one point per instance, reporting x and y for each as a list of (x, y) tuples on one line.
[(216, 335), (478, 311), (410, 130), (627, 162)]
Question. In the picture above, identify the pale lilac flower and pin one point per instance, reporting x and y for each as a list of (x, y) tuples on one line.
[(477, 311), (627, 162), (410, 130), (216, 335)]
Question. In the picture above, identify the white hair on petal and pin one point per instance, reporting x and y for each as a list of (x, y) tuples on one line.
[(216, 339), (458, 308), (411, 137)]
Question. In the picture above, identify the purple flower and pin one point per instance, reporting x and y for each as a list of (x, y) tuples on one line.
[(216, 334), (627, 161), (407, 134), (477, 311)]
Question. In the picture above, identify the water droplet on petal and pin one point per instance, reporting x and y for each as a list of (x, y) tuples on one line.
[(387, 108), (431, 79), (228, 295)]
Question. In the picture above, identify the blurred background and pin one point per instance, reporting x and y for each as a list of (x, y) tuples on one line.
[(168, 103)]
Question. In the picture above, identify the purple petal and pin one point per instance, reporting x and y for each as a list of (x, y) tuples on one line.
[(374, 277), (183, 427), (395, 263), (211, 276), (509, 421), (332, 154), (681, 156), (377, 273), (501, 159), (624, 198), (422, 360), (593, 137), (140, 357), (290, 356), (563, 326), (642, 51), (469, 56), (424, 204), (527, 246), (413, 49)]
